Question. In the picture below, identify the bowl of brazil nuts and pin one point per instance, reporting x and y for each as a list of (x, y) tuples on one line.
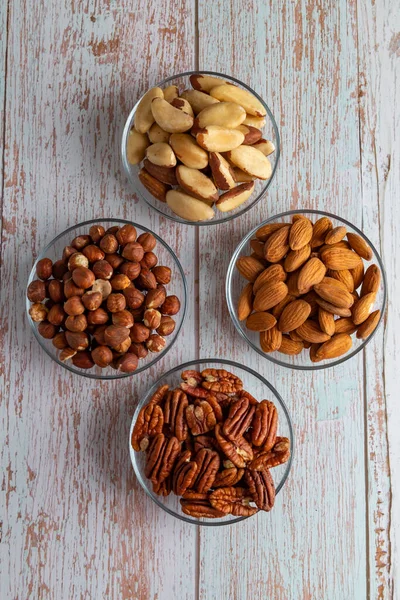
[(306, 289), (212, 442), (106, 298), (200, 147)]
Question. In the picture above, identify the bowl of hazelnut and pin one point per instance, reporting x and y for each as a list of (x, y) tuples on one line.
[(106, 298)]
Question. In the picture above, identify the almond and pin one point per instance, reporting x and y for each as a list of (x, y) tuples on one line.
[(265, 230), (258, 122), (187, 207), (289, 346), (296, 258), (219, 139), (274, 273), (196, 184), (362, 308), (358, 274), (164, 174), (310, 274), (341, 244), (235, 197), (260, 321), (231, 93), (250, 160), (345, 325), (300, 234), (153, 185), (265, 146), (156, 134), (245, 303), (372, 280), (170, 93), (251, 135), (136, 145), (240, 176), (183, 105), (293, 283), (360, 246), (269, 295), (294, 315), (339, 344), (344, 276), (278, 309), (271, 339), (311, 332), (161, 154), (222, 172), (224, 114), (296, 338), (249, 267), (313, 353), (205, 83), (335, 293), (277, 245), (335, 235), (198, 100), (257, 247), (188, 151), (312, 298), (169, 118), (144, 118), (340, 258), (320, 230), (326, 321), (335, 310), (369, 325)]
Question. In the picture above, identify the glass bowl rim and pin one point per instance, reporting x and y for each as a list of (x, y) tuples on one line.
[(232, 311), (157, 384), (173, 217), (157, 357)]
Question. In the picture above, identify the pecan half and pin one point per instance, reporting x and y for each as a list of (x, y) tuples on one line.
[(193, 495), (174, 414), (208, 463), (149, 423), (251, 399), (238, 451), (212, 400), (219, 380), (196, 392), (164, 488), (261, 487), (200, 417), (228, 477), (239, 418), (161, 458), (278, 455), (193, 378), (159, 394), (265, 425), (205, 441), (184, 473), (200, 509), (233, 501)]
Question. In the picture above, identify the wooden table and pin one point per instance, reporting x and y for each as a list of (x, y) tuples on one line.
[(75, 523)]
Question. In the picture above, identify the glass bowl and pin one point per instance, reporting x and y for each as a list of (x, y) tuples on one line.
[(178, 286), (270, 131), (235, 283), (253, 383)]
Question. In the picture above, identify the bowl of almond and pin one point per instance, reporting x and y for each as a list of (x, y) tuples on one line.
[(306, 289), (200, 147)]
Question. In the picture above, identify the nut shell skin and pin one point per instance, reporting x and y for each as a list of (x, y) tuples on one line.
[(36, 291), (44, 268)]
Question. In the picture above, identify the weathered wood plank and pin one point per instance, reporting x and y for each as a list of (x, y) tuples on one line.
[(3, 77), (302, 57), (76, 523)]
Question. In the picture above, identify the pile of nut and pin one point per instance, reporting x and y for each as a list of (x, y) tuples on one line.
[(100, 303), (211, 443), (301, 277), (205, 141)]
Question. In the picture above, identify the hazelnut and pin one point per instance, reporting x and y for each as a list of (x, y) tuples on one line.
[(74, 306), (60, 341), (44, 268), (114, 229), (171, 305), (134, 298), (92, 300), (115, 260), (77, 323), (56, 290), (162, 274), (98, 334), (56, 315), (115, 335), (152, 318), (155, 343), (93, 253), (149, 260), (102, 269), (36, 291), (47, 330), (96, 232), (126, 234), (133, 251), (67, 252), (146, 280), (166, 326), (67, 276), (71, 289), (147, 241), (66, 354), (137, 313), (78, 340), (102, 286), (123, 318), (81, 241), (102, 356), (82, 360), (130, 269), (77, 260), (84, 278), (59, 269), (97, 317), (123, 346), (127, 363), (38, 312), (155, 298), (139, 349), (139, 332), (109, 243), (116, 302), (120, 282)]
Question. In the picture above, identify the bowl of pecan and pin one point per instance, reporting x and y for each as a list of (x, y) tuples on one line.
[(106, 298), (212, 442), (200, 147), (306, 289)]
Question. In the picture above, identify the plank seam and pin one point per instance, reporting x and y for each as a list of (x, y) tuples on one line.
[(3, 160)]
